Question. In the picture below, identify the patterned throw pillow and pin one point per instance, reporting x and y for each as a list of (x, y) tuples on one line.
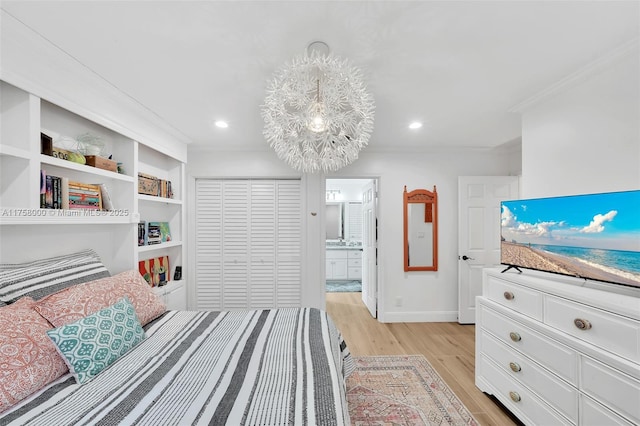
[(79, 301), (93, 343), (42, 277), (28, 358)]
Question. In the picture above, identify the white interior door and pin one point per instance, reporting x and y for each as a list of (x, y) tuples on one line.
[(370, 248), (479, 234)]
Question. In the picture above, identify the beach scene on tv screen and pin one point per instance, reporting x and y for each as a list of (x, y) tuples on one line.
[(595, 236)]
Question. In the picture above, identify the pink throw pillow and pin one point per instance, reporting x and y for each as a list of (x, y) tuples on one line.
[(28, 358), (74, 303)]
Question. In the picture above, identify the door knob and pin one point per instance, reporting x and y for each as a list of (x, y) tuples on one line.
[(465, 257)]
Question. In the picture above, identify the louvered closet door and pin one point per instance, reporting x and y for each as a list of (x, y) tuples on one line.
[(208, 241), (248, 255), (263, 241), (235, 244), (288, 243)]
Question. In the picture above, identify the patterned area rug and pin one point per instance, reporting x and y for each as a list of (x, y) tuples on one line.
[(339, 286), (402, 390)]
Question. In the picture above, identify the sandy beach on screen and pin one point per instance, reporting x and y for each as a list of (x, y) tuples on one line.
[(517, 254)]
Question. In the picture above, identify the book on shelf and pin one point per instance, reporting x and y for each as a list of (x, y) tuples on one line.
[(85, 195), (61, 193), (163, 227), (107, 203), (155, 271), (43, 189), (142, 233), (65, 192), (153, 233)]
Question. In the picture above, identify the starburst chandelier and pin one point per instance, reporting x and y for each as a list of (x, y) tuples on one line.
[(317, 112)]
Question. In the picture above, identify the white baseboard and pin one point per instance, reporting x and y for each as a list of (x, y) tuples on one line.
[(432, 316)]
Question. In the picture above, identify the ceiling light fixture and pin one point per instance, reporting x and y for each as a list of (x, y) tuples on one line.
[(318, 113), (415, 125), (222, 124)]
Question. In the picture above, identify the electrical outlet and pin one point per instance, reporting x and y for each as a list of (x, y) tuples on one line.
[(398, 301)]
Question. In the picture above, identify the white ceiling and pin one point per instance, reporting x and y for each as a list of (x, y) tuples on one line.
[(458, 66)]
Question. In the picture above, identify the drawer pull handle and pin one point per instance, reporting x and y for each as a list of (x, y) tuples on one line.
[(515, 367), (515, 397), (515, 336), (509, 296), (582, 324)]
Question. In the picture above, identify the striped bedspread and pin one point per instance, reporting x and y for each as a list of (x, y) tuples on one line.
[(264, 367)]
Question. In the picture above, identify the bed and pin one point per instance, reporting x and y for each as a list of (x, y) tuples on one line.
[(252, 367)]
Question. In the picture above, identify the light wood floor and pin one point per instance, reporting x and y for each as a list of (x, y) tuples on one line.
[(449, 347)]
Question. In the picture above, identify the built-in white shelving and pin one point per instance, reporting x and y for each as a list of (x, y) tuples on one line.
[(30, 232)]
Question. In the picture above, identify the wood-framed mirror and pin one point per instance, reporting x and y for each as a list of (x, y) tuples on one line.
[(420, 230)]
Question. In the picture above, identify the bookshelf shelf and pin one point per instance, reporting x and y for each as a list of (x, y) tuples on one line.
[(21, 216), (57, 162), (10, 151), (154, 199), (159, 247)]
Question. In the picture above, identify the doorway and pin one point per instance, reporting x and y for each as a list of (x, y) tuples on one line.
[(351, 239)]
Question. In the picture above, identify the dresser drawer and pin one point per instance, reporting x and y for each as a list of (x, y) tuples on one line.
[(536, 378), (614, 389), (558, 358), (517, 398), (513, 296), (354, 254), (354, 262), (611, 332), (594, 414), (354, 273)]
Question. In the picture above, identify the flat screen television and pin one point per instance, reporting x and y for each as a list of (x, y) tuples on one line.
[(592, 236)]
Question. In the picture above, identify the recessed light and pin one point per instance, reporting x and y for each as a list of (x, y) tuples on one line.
[(222, 124), (415, 125)]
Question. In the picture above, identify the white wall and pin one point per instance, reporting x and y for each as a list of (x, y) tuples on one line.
[(586, 138), (76, 88), (425, 296)]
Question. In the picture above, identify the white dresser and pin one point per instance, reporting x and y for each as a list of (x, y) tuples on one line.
[(556, 352)]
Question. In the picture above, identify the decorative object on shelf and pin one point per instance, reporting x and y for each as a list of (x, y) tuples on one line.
[(147, 184), (72, 156), (155, 271), (46, 144), (177, 276), (101, 163), (318, 113), (89, 144), (151, 185)]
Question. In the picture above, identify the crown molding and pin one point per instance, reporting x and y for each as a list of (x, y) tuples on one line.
[(581, 75)]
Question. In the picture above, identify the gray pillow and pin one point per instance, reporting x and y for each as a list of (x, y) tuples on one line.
[(42, 277)]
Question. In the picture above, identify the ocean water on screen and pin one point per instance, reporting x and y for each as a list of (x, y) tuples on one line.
[(619, 262)]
